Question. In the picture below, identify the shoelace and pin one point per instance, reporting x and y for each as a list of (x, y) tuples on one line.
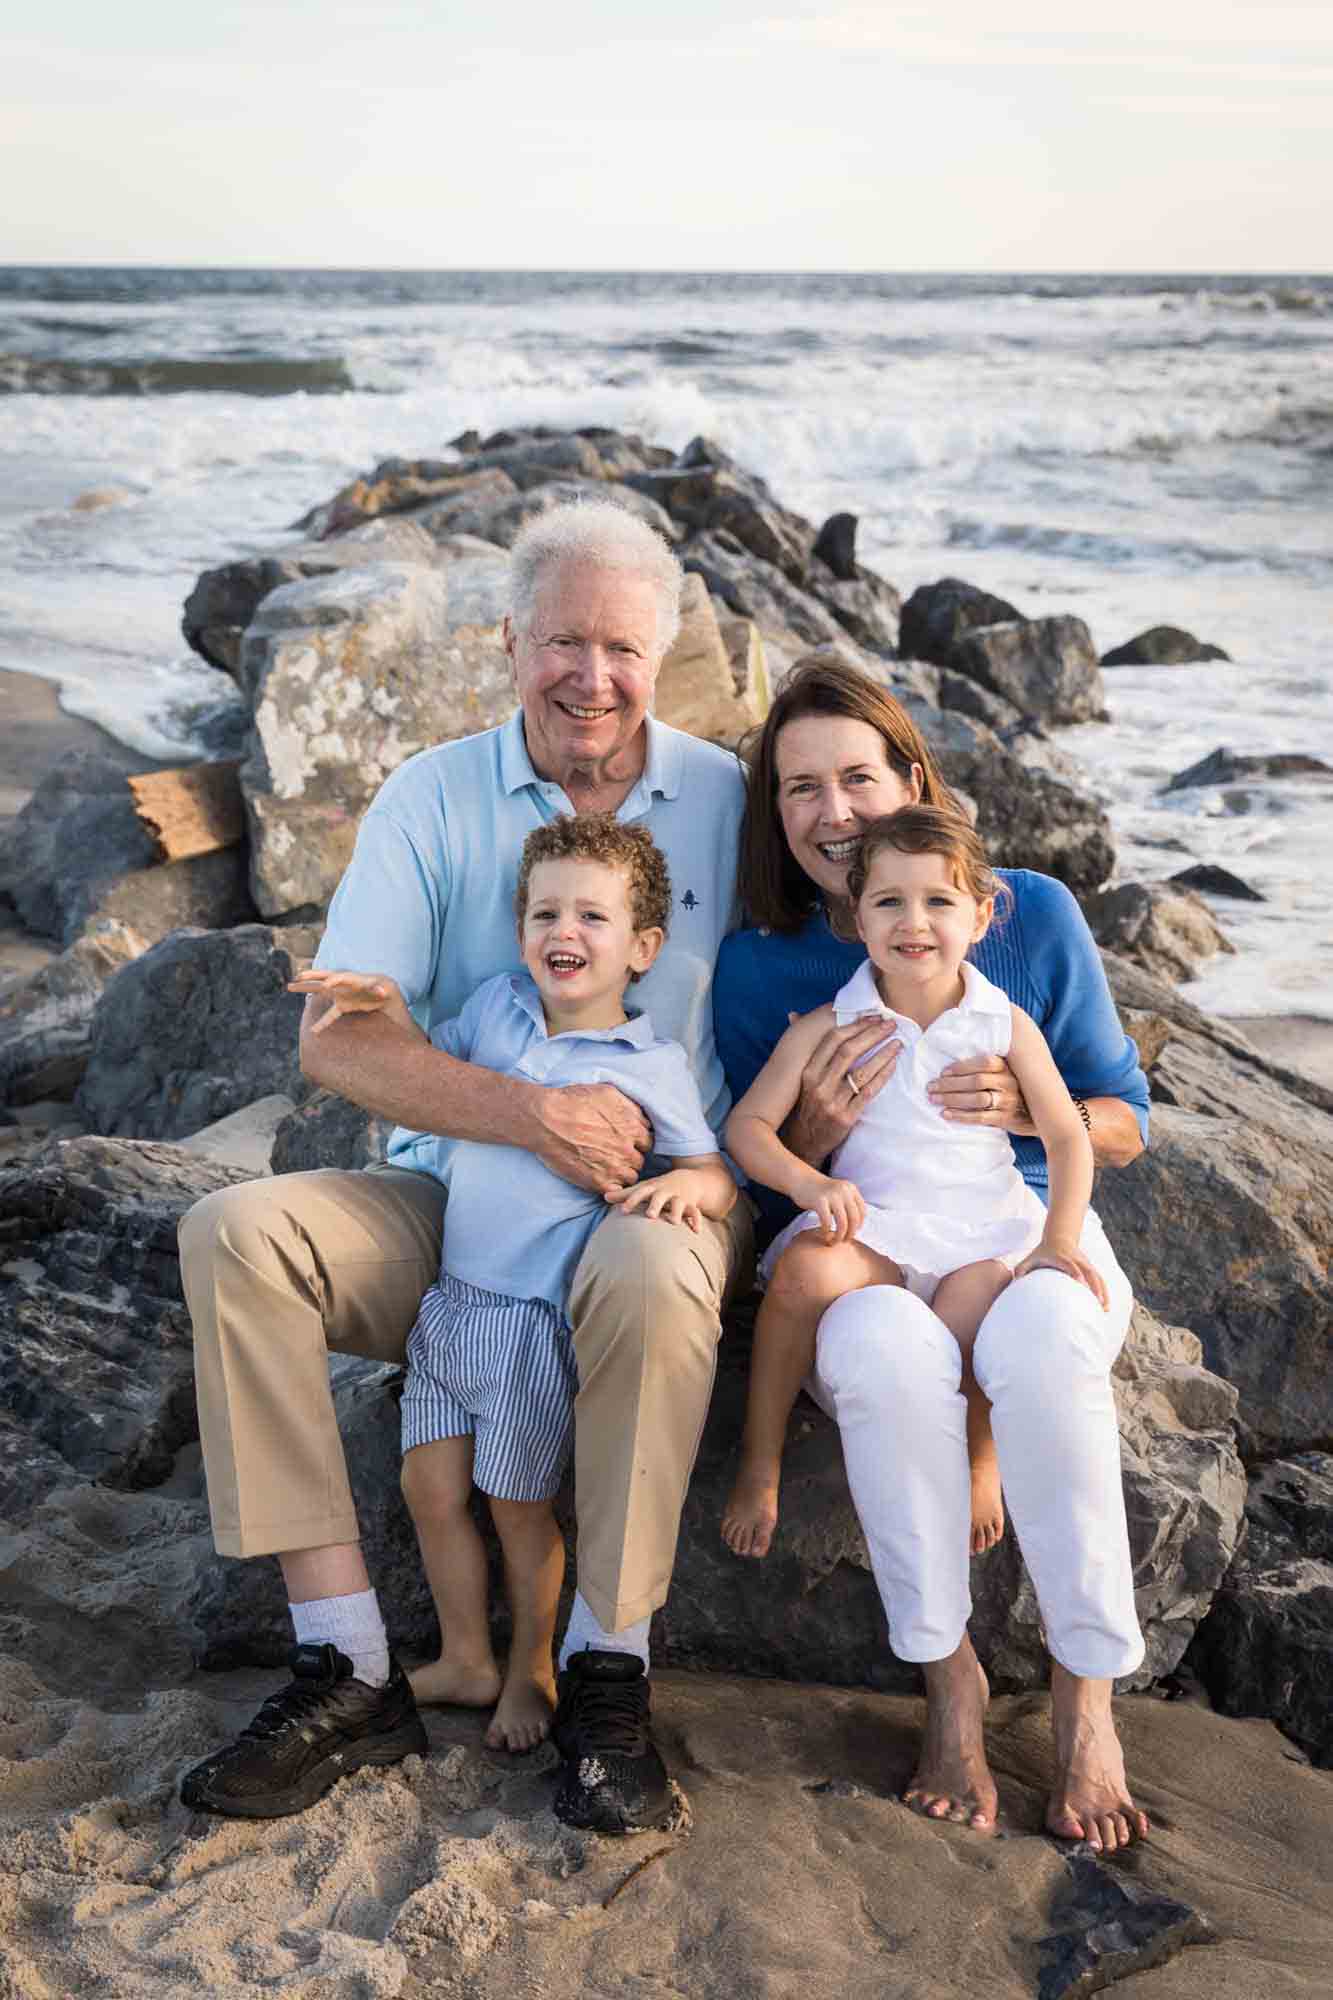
[(291, 1704), (609, 1715)]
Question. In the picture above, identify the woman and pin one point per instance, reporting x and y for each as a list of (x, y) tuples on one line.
[(835, 753)]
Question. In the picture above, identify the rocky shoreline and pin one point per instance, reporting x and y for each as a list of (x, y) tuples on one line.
[(147, 1052)]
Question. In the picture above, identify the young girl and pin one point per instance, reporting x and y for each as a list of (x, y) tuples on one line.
[(913, 1199)]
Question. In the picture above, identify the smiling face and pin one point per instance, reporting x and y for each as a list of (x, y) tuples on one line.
[(579, 942), (917, 921), (834, 778), (584, 665)]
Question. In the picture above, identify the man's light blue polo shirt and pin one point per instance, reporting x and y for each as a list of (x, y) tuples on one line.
[(428, 897), (512, 1225)]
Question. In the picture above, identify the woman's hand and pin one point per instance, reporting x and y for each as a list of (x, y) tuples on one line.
[(982, 1090), (1066, 1257), (838, 1204), (838, 1081)]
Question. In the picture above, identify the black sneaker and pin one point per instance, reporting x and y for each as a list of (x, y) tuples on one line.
[(612, 1780), (322, 1725)]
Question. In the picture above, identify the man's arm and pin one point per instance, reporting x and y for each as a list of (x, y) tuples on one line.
[(589, 1134)]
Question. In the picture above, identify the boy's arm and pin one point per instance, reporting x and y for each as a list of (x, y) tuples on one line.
[(355, 993), (693, 1188), (1069, 1156)]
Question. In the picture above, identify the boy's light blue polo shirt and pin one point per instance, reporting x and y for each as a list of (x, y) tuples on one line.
[(511, 1224), (428, 896)]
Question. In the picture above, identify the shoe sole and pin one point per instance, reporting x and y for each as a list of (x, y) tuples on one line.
[(583, 1814), (406, 1742)]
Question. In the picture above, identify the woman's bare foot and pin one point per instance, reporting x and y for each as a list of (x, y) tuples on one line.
[(987, 1505), (1090, 1798), (751, 1512), (523, 1713), (953, 1779), (455, 1683)]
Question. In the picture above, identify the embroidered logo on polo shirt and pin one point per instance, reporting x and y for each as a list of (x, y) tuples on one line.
[(689, 901)]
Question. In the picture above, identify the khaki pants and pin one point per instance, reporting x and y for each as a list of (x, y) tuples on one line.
[(277, 1272)]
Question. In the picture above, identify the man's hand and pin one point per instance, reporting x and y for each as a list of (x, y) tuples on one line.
[(837, 1083), (982, 1090), (590, 1134)]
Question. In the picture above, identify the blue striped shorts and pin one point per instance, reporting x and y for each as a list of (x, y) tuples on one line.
[(501, 1371)]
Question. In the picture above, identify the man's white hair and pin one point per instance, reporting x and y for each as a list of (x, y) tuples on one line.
[(595, 531)]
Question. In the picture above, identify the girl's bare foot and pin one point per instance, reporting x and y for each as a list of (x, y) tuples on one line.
[(987, 1505), (456, 1683), (751, 1512), (953, 1779), (1090, 1798), (523, 1713)]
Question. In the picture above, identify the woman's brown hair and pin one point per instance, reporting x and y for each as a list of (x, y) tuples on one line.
[(773, 888)]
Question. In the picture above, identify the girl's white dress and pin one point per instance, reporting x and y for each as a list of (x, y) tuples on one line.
[(938, 1195)]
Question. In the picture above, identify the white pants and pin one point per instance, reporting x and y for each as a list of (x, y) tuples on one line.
[(887, 1369)]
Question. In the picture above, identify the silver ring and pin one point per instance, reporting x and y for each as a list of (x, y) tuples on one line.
[(992, 1097), (853, 1085)]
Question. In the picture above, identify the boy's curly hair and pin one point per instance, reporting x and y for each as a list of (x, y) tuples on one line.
[(616, 843)]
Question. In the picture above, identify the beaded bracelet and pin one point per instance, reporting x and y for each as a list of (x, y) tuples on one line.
[(1080, 1105)]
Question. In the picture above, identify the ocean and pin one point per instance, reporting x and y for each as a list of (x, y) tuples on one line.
[(1138, 450)]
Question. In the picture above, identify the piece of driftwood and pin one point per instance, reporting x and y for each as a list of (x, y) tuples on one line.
[(191, 811)]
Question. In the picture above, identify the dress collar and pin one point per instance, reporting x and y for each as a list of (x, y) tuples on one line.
[(861, 996)]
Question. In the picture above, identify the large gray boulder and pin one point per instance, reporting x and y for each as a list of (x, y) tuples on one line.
[(1170, 932), (96, 1370), (1029, 819), (328, 1131), (1229, 767), (351, 674), (1266, 1647), (1162, 646), (193, 1030), (1046, 667), (757, 589), (938, 616), (1229, 1215), (78, 850), (708, 497), (46, 1020)]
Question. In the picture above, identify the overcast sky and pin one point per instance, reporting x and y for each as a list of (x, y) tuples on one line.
[(984, 134)]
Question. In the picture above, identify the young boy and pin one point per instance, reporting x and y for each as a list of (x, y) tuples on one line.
[(491, 1382)]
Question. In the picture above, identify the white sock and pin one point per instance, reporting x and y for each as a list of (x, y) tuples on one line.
[(583, 1632), (352, 1624)]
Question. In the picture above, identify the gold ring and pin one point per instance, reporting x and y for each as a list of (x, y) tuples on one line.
[(994, 1100)]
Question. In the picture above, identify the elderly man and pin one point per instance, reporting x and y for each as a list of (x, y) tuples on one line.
[(277, 1272)]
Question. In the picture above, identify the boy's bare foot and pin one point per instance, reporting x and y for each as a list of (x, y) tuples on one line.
[(523, 1713), (987, 1505), (751, 1512), (455, 1684), (1090, 1799), (953, 1779)]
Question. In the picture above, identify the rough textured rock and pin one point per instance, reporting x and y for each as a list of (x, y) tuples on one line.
[(1162, 646), (1110, 1927), (78, 850), (1045, 666), (46, 1020), (947, 689), (328, 1131), (1168, 932), (400, 484), (696, 687), (1266, 1646), (225, 599), (1224, 767), (1211, 880), (835, 546), (709, 498), (1028, 819), (503, 523), (937, 616), (468, 508), (95, 1355), (1242, 1149), (351, 674), (864, 605), (197, 1028), (759, 590), (244, 1138), (810, 1610)]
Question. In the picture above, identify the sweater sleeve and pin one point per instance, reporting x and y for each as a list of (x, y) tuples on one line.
[(1092, 1052)]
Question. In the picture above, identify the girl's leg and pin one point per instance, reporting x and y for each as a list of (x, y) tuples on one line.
[(534, 1553), (962, 1301), (437, 1485), (808, 1276)]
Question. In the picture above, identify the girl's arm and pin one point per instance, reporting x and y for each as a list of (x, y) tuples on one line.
[(753, 1133), (1069, 1158)]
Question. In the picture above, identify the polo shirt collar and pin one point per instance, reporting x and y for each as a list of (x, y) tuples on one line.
[(637, 1031), (662, 768), (860, 996)]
